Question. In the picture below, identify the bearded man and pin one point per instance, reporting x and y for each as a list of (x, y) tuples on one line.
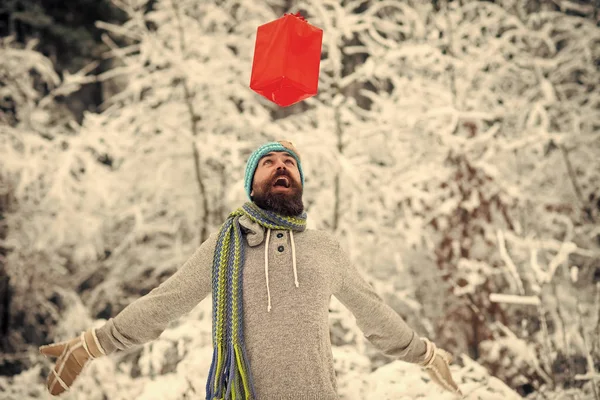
[(271, 281)]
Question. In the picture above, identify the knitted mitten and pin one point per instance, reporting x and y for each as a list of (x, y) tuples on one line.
[(72, 356), (436, 363)]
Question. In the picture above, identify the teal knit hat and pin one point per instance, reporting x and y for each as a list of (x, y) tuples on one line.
[(259, 153)]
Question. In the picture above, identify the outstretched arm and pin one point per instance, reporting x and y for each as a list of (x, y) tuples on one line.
[(383, 327), (380, 324), (147, 317), (141, 321)]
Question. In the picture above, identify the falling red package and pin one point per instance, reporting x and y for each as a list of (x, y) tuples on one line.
[(287, 56)]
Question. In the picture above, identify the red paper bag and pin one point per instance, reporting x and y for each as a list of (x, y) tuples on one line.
[(287, 56)]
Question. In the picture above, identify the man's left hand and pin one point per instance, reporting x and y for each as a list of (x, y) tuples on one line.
[(437, 364)]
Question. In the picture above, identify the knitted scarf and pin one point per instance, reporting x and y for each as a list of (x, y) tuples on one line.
[(230, 376)]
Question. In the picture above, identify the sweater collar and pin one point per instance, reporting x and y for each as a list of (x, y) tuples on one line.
[(255, 233)]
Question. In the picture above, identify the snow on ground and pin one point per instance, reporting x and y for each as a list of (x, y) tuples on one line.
[(395, 381)]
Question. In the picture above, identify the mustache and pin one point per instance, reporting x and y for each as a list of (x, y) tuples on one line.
[(286, 173), (282, 172), (268, 183)]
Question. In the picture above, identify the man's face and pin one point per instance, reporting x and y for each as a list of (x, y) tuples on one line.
[(277, 185)]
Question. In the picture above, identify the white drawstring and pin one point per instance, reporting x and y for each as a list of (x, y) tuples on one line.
[(267, 265), (294, 258), (267, 268)]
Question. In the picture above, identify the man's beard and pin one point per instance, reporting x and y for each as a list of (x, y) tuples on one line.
[(287, 203)]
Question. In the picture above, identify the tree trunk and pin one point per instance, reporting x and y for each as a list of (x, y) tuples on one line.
[(194, 119), (5, 292), (5, 295)]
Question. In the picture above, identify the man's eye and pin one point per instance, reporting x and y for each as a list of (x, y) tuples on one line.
[(290, 161)]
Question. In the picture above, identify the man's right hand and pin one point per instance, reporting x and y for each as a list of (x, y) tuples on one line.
[(72, 357)]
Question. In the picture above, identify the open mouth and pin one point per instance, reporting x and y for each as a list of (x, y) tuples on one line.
[(282, 181)]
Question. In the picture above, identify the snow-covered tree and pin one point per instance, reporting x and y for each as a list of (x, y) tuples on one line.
[(452, 146), (50, 220), (457, 122), (477, 103)]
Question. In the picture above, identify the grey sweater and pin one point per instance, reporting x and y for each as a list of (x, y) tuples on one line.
[(288, 343)]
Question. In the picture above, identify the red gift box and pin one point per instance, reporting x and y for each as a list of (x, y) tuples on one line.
[(287, 56)]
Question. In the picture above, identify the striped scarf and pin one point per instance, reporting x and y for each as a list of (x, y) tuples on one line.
[(230, 376)]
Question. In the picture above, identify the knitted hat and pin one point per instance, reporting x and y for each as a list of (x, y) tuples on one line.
[(281, 145)]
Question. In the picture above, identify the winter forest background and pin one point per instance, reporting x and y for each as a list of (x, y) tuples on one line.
[(454, 148)]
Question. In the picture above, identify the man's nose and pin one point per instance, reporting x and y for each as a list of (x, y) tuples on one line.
[(281, 164)]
